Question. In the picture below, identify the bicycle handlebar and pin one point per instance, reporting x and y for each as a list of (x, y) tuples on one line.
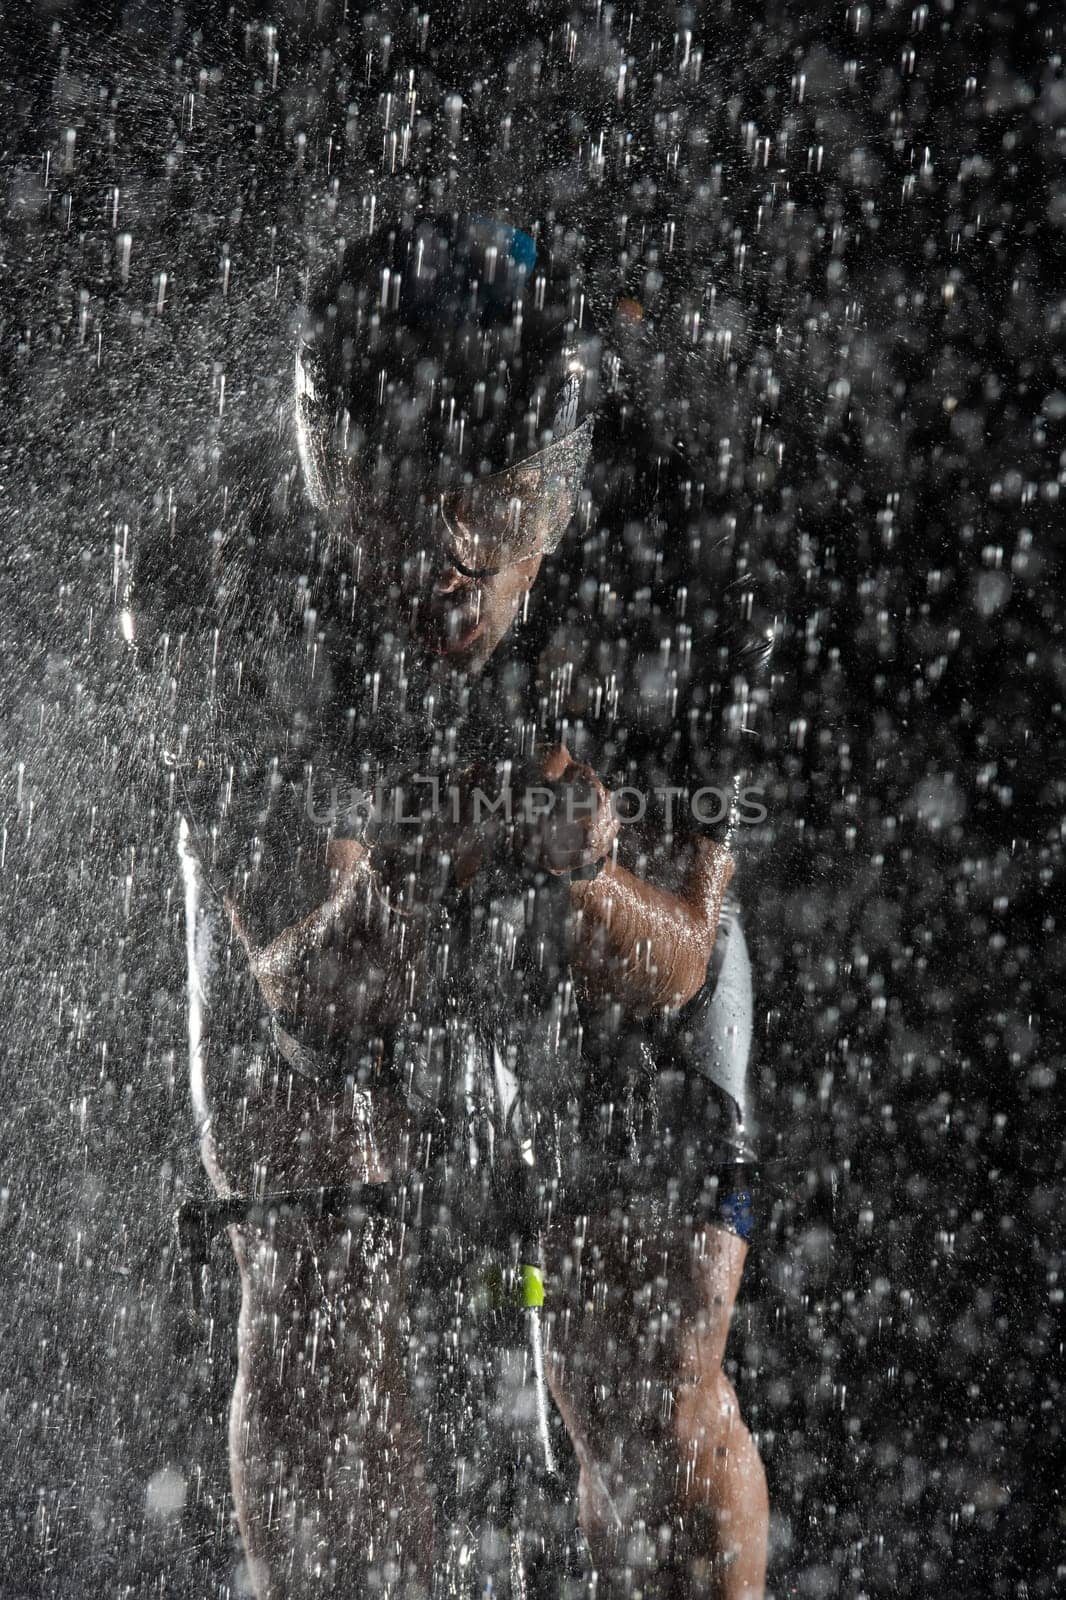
[(197, 1221)]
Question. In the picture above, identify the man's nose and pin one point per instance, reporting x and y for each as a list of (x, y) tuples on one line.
[(429, 571), (449, 580)]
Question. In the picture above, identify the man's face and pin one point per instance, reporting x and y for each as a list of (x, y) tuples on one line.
[(452, 614), (463, 617), (460, 556)]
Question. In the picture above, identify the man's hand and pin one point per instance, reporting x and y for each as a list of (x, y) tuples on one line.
[(552, 810), (565, 820)]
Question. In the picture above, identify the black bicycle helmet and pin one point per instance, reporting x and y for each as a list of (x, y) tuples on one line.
[(447, 378)]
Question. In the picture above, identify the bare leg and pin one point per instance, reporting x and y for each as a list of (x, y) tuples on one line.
[(324, 1454), (723, 1478), (672, 1489)]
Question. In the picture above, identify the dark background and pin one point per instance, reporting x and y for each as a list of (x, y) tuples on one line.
[(876, 195)]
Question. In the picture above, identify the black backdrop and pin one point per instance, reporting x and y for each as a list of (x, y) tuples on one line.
[(876, 196)]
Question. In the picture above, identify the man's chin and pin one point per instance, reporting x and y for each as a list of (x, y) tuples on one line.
[(466, 654)]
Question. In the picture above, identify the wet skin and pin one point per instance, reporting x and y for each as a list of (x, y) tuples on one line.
[(464, 618), (324, 1441)]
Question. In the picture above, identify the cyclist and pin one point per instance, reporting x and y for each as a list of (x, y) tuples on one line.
[(416, 930)]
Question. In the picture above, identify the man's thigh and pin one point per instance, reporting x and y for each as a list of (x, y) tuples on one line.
[(638, 1312), (325, 1452)]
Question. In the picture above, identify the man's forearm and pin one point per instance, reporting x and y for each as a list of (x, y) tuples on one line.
[(347, 962), (646, 947)]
